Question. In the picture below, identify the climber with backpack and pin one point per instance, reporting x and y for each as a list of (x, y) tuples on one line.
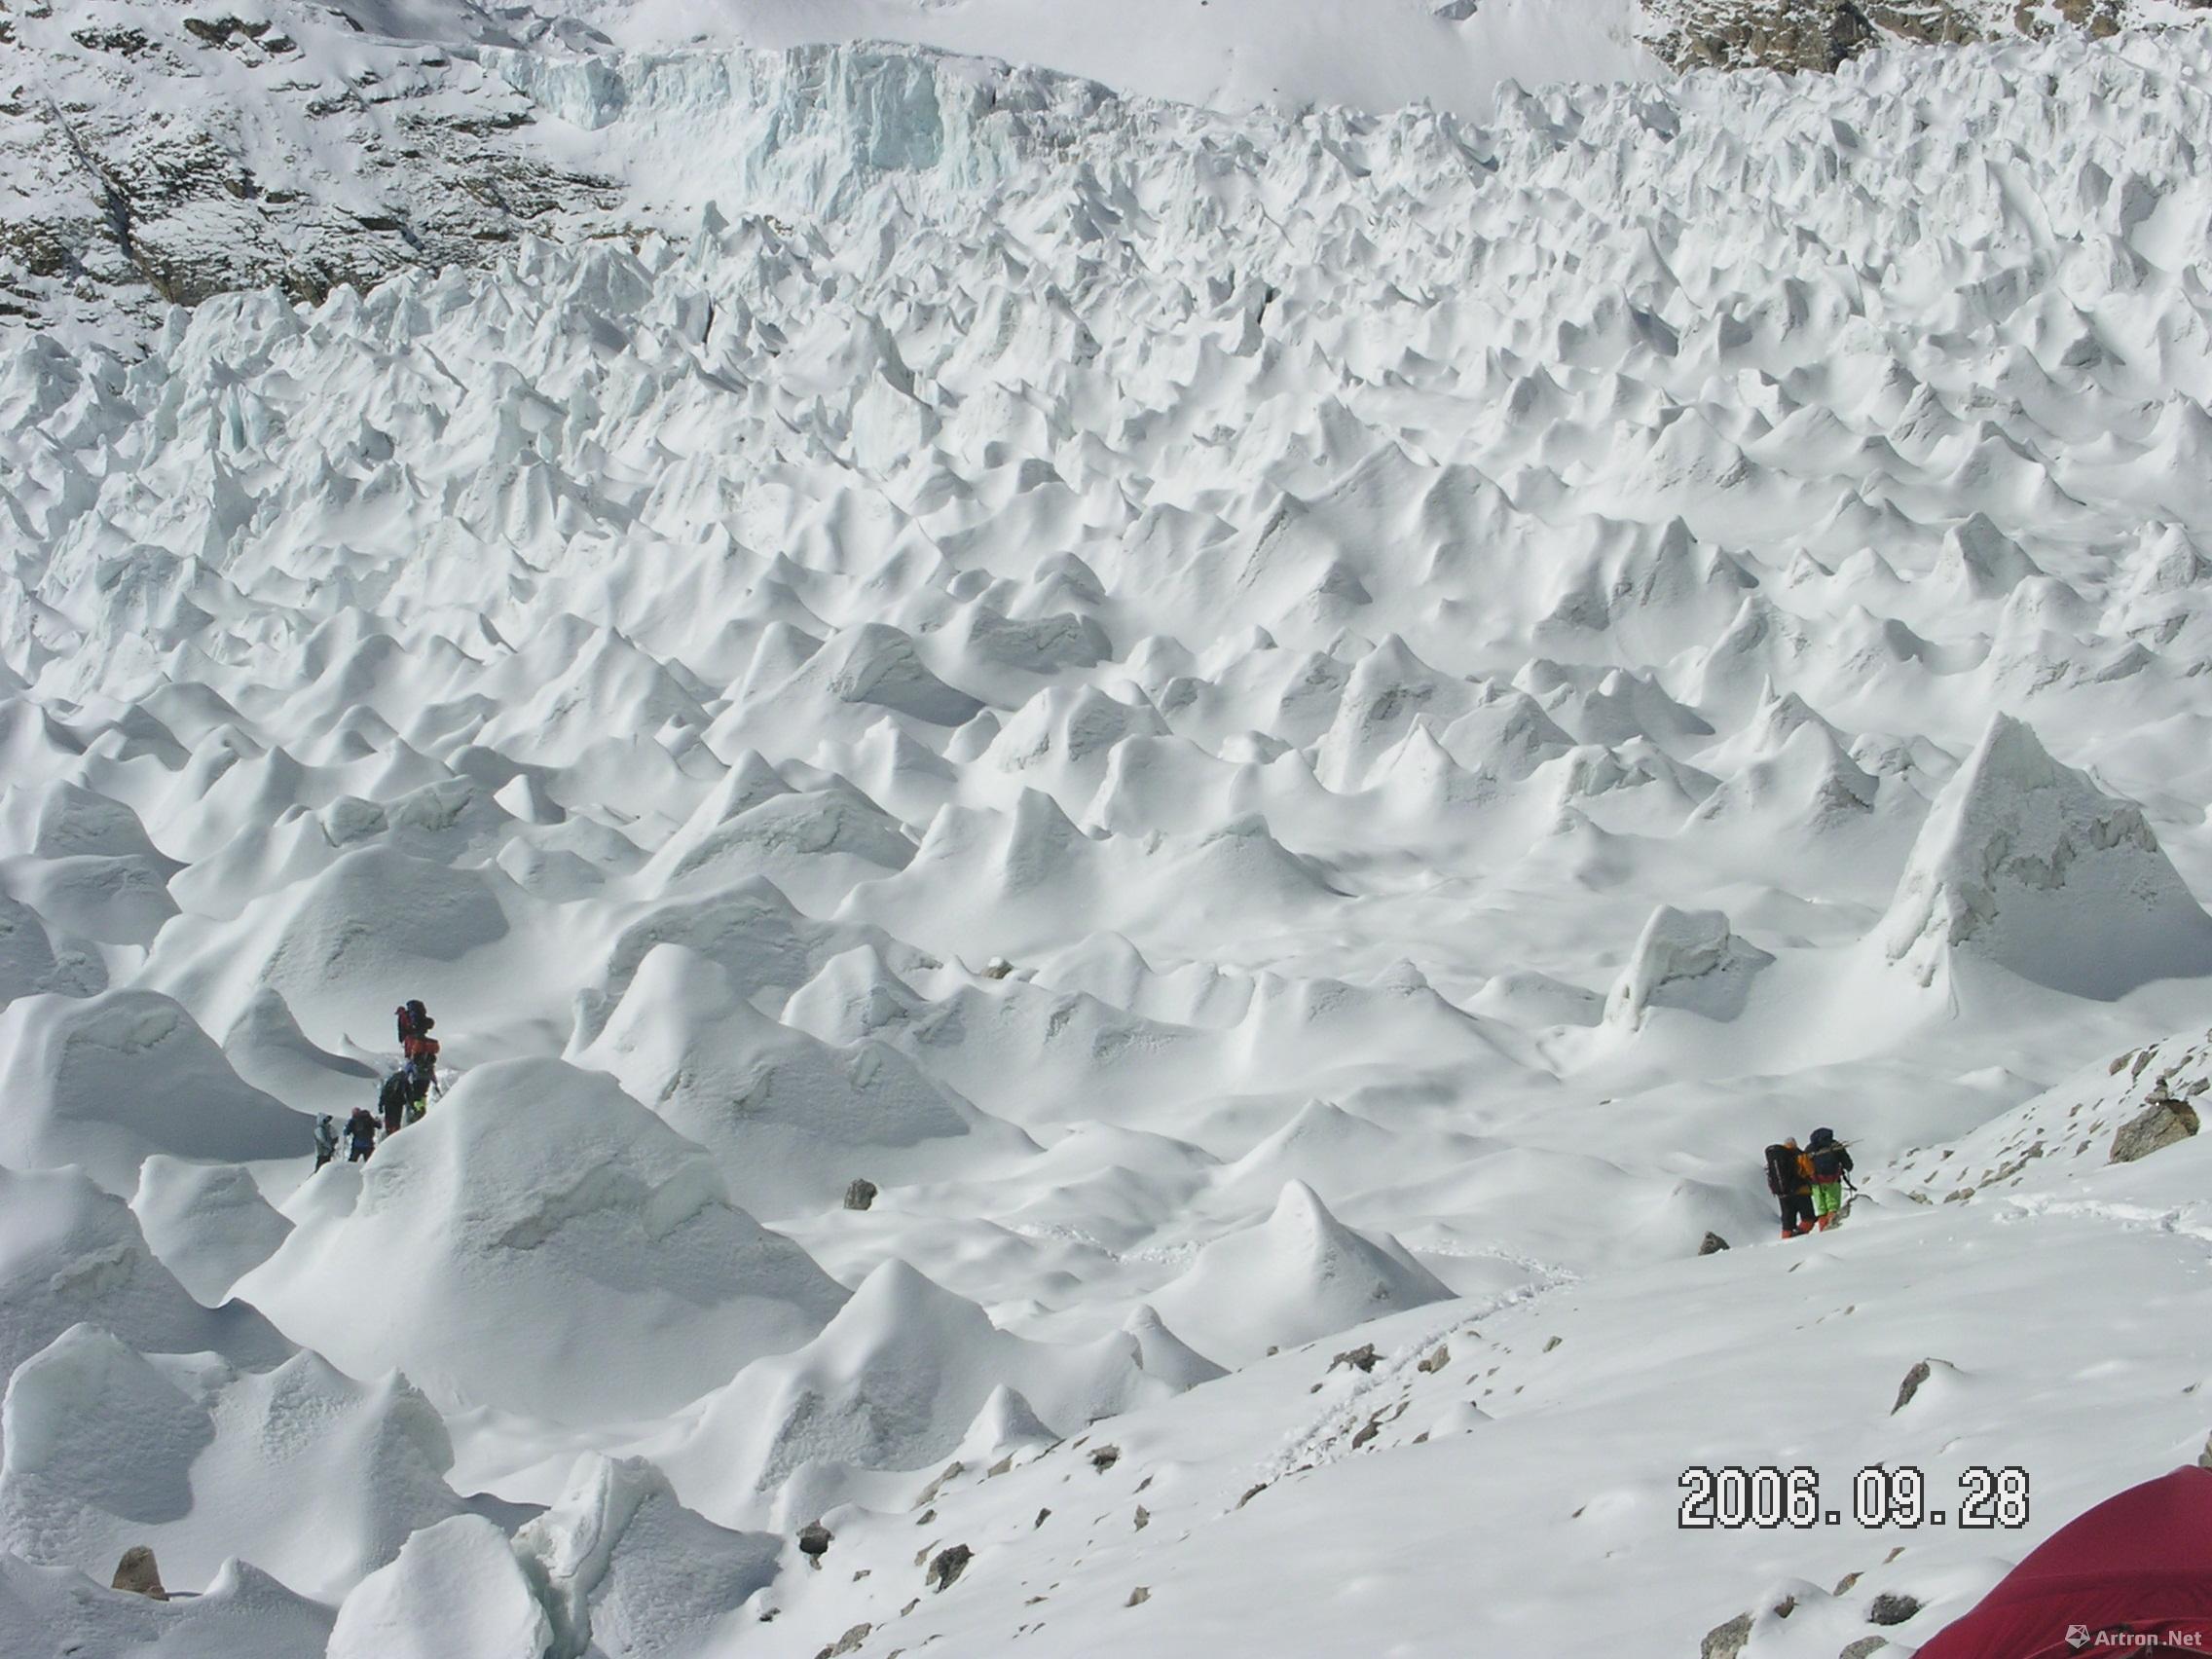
[(413, 1020), (392, 1098), (360, 1135), (1789, 1178), (418, 1049), (325, 1139), (1829, 1161)]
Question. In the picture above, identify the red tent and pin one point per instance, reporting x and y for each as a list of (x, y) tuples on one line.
[(2135, 1572)]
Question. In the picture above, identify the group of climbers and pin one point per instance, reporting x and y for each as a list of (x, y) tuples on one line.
[(401, 1098), (1809, 1180)]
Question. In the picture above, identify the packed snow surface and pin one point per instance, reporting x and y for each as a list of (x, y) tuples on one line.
[(1283, 740)]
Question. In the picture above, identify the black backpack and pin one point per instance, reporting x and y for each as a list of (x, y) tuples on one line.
[(398, 1088), (1831, 1162), (1781, 1169), (413, 1019)]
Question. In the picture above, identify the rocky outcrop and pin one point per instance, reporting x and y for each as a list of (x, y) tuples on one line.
[(1824, 34), (2157, 1127), (192, 152)]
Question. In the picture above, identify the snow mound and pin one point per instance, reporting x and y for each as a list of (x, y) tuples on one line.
[(788, 1116), (101, 1447), (105, 1082), (894, 1382), (207, 1222), (1686, 959), (545, 1245), (1298, 1276), (70, 1253), (625, 1569), (2026, 863), (242, 1613), (454, 1588)]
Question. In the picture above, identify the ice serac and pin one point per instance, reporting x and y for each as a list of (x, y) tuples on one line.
[(2025, 864), (1300, 1274), (1686, 959), (536, 1187), (621, 1567)]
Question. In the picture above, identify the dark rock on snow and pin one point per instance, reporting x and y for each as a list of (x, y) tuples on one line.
[(2156, 1127), (947, 1567)]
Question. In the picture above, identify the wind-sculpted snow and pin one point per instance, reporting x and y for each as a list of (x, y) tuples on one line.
[(1235, 724)]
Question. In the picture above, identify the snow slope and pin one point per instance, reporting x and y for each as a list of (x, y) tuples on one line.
[(1268, 731)]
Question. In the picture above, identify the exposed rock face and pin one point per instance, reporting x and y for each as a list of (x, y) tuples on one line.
[(1824, 34), (860, 1195), (1713, 1244), (191, 153), (2159, 1124)]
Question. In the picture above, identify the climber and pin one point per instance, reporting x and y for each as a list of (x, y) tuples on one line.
[(392, 1098), (360, 1134), (1789, 1178), (413, 1020), (325, 1139), (1829, 1161), (419, 1047)]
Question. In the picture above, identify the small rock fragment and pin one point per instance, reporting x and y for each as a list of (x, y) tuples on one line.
[(1726, 1641), (860, 1195), (1713, 1244), (1138, 1597), (1892, 1608), (1921, 1371)]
